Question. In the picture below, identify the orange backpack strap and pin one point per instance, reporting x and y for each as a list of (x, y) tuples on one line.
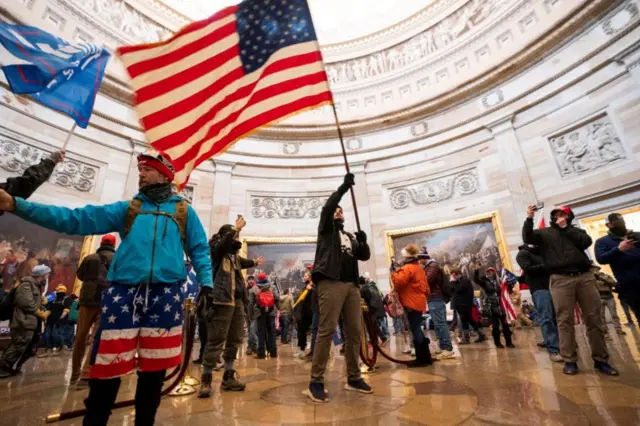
[(132, 212)]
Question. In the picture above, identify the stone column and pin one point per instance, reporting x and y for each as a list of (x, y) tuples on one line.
[(514, 166), (221, 194), (364, 212)]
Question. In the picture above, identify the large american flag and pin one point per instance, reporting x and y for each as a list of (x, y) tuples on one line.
[(217, 80)]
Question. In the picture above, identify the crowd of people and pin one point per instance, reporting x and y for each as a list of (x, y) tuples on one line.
[(130, 308)]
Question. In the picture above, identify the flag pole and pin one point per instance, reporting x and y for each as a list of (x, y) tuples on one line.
[(346, 162), (69, 134), (335, 116)]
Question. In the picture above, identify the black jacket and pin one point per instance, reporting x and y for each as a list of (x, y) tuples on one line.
[(93, 274), (373, 300), (34, 176), (536, 274), (328, 260), (227, 270), (562, 250), (462, 293)]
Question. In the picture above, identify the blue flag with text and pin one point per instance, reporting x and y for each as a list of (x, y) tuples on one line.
[(63, 76)]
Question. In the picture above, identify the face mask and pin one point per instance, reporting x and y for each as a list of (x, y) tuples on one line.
[(619, 230)]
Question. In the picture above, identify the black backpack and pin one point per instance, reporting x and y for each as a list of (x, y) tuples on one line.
[(7, 303)]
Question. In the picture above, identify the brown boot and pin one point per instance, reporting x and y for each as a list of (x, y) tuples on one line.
[(205, 386), (230, 382)]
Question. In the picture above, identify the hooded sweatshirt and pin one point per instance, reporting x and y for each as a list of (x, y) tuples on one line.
[(536, 274)]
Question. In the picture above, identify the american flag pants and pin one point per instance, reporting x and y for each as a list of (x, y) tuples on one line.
[(141, 319)]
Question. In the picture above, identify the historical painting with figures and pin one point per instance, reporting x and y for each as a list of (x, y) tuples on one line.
[(465, 243), (59, 251), (284, 260)]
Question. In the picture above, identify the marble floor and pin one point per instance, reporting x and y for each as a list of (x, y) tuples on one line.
[(483, 385)]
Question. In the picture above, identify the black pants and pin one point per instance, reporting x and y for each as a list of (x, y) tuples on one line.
[(103, 393), (496, 322), (304, 325), (202, 333), (267, 335), (466, 317)]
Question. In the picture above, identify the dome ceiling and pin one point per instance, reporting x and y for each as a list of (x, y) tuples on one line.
[(336, 21)]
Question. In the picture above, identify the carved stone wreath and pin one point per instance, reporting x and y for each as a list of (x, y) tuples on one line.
[(286, 207), (16, 157), (435, 190), (291, 148)]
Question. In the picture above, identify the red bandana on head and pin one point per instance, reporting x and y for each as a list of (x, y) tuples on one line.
[(159, 163)]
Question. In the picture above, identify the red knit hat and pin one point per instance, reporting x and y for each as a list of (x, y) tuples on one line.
[(159, 162), (108, 240)]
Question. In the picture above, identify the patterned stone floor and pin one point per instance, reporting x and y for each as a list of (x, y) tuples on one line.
[(484, 385)]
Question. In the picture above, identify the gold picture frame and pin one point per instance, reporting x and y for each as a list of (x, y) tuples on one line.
[(250, 240), (493, 217)]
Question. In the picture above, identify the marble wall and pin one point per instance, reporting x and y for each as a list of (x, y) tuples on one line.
[(565, 130)]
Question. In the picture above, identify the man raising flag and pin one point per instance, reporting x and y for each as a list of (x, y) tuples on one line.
[(218, 80)]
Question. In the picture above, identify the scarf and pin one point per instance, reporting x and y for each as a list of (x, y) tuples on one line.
[(157, 192)]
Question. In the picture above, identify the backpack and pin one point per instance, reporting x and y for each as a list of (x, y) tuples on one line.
[(74, 312), (265, 299), (445, 284), (7, 303), (180, 217)]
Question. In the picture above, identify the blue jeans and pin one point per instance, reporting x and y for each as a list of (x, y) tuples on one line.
[(382, 323), (547, 319), (253, 335), (415, 326), (285, 321), (51, 337), (398, 325), (67, 334), (438, 311)]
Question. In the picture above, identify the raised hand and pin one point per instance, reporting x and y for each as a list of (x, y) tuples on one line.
[(58, 156)]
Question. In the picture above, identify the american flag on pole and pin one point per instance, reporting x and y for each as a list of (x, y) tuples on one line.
[(508, 281), (218, 80)]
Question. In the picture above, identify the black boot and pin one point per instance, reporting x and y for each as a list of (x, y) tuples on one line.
[(481, 336), (423, 355), (205, 386), (506, 330)]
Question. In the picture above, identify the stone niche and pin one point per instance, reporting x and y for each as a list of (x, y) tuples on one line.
[(586, 147)]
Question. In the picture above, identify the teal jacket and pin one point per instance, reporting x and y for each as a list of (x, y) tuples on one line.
[(151, 253)]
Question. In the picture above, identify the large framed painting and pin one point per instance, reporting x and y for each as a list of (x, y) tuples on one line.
[(463, 242), (285, 258), (59, 251)]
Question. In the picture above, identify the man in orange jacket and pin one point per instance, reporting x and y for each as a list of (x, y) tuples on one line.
[(410, 282)]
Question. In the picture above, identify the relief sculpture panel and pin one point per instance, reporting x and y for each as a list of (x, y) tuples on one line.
[(435, 190), (427, 43), (286, 207), (15, 157), (118, 15), (590, 146)]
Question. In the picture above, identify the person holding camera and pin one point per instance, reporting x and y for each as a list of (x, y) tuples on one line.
[(562, 247), (222, 307), (620, 249)]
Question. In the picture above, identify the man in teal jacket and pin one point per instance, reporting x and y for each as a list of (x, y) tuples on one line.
[(142, 308)]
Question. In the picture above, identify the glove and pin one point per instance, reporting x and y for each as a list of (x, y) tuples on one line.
[(361, 237), (349, 179), (204, 301), (43, 315)]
